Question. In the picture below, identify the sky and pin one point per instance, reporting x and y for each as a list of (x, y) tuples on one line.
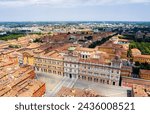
[(74, 10)]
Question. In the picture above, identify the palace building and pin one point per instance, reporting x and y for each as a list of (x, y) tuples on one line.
[(80, 63)]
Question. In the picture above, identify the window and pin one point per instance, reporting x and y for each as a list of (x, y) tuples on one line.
[(83, 77), (95, 79), (103, 81), (45, 70), (37, 69), (117, 72), (89, 78), (114, 83), (96, 74), (79, 76), (107, 81), (89, 72)]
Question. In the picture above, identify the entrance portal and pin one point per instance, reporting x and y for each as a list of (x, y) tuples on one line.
[(70, 75)]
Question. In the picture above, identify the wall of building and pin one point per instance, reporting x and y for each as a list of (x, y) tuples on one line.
[(40, 92), (99, 73), (28, 60), (48, 65), (141, 59), (71, 67)]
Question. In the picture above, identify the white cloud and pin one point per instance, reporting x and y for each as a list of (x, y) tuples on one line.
[(68, 3)]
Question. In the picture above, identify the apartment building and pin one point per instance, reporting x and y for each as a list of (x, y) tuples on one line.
[(51, 62)]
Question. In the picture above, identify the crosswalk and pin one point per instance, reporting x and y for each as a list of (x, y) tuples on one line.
[(66, 82)]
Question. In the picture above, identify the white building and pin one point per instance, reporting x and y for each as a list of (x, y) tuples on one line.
[(71, 66)]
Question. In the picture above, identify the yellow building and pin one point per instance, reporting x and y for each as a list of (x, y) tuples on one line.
[(138, 57), (51, 62), (142, 58), (28, 58)]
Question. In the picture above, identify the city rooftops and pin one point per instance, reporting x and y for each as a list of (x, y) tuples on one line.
[(144, 71), (85, 49), (53, 54), (135, 52), (93, 60), (76, 92), (128, 81), (142, 56), (71, 48), (33, 46), (141, 91), (24, 89)]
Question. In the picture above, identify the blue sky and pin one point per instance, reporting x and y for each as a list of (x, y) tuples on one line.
[(74, 10)]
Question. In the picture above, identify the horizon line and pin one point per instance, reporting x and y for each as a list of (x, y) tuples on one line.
[(79, 21)]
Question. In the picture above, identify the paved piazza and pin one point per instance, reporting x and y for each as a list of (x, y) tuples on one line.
[(54, 83)]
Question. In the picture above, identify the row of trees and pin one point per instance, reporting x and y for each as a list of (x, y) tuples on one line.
[(11, 37), (139, 66), (143, 65), (133, 37), (100, 42)]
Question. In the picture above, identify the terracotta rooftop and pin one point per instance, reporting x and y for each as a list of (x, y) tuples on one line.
[(144, 71), (135, 51), (142, 56), (124, 40), (85, 49), (63, 48), (93, 60), (76, 92), (54, 54), (141, 91), (19, 83), (130, 81), (33, 46), (25, 89)]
